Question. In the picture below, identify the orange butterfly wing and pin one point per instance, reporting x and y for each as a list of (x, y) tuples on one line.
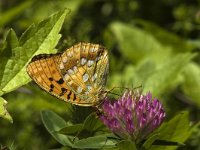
[(78, 75)]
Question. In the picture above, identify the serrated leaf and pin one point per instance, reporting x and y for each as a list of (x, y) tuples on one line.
[(3, 111), (10, 43), (53, 124), (175, 130), (191, 84), (42, 40), (95, 142)]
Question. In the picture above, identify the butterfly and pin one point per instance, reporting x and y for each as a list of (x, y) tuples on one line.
[(78, 75)]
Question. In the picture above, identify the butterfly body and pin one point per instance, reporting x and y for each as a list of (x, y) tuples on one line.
[(78, 75)]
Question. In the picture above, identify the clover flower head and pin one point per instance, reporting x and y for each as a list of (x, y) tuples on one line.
[(133, 115)]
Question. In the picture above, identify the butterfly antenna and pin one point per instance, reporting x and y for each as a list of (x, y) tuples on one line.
[(110, 91), (113, 93), (127, 88)]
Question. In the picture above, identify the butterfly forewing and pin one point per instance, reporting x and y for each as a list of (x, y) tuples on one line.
[(44, 71), (78, 75)]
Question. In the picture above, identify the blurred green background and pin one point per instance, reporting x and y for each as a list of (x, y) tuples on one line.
[(151, 43)]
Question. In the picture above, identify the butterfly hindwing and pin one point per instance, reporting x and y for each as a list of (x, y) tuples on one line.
[(86, 75)]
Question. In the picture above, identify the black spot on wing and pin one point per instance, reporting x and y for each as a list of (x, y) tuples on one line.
[(74, 97), (64, 90), (51, 88), (60, 81), (68, 96), (50, 79)]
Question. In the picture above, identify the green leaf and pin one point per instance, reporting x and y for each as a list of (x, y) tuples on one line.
[(147, 144), (99, 141), (176, 130), (128, 145), (180, 125), (156, 63), (71, 129), (157, 78), (191, 84), (44, 10), (165, 37), (10, 43), (167, 143), (54, 123), (13, 12), (131, 41), (3, 111), (92, 123), (38, 39), (166, 76)]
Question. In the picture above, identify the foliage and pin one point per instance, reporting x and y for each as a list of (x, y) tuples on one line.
[(152, 46)]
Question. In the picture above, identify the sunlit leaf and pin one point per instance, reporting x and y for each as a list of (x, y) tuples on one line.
[(191, 85), (153, 77), (3, 111), (166, 76), (41, 38), (135, 43)]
